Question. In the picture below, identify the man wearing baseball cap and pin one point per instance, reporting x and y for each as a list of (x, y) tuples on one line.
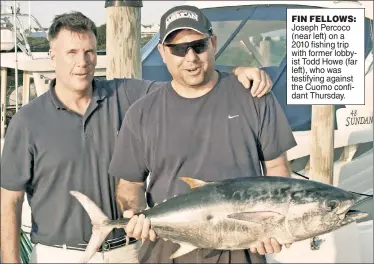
[(184, 17), (202, 125)]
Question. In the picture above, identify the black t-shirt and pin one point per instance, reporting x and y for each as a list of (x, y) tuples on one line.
[(223, 134)]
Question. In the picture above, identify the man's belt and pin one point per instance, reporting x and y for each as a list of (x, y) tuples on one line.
[(106, 246)]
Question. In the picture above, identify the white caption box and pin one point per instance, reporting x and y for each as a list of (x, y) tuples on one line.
[(325, 56)]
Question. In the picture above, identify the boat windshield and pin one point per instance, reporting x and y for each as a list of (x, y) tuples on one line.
[(258, 43), (256, 35)]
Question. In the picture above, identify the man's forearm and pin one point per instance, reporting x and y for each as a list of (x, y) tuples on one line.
[(11, 213), (283, 171), (279, 166), (131, 195)]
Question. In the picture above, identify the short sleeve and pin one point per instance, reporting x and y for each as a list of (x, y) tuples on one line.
[(275, 134), (17, 156), (135, 89), (128, 160)]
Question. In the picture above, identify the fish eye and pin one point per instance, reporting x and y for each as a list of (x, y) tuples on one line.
[(331, 204)]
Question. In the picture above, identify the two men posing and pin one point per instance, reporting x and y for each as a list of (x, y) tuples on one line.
[(203, 123)]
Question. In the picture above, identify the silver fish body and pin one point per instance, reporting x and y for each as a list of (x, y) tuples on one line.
[(237, 213)]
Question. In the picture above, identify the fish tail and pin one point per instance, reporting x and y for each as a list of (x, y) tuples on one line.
[(100, 227)]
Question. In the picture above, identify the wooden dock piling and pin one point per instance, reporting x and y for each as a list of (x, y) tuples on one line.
[(123, 39), (322, 151)]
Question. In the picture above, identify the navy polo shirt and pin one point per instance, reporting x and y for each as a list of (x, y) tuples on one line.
[(50, 150)]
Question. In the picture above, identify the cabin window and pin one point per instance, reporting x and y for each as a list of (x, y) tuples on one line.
[(259, 43), (223, 30)]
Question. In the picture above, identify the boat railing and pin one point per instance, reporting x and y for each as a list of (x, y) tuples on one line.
[(22, 42)]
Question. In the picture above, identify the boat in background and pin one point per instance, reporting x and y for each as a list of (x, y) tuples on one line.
[(6, 29), (253, 33)]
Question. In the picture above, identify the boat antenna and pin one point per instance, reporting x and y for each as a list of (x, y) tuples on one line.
[(15, 51), (29, 17)]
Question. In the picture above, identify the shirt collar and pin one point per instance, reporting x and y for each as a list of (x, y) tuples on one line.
[(99, 93)]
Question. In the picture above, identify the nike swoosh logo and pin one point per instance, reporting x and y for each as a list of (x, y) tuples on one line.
[(230, 116)]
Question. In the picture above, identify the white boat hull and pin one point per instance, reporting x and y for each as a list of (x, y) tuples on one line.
[(350, 244), (7, 39)]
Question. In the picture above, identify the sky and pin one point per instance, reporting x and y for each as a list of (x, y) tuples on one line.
[(44, 11)]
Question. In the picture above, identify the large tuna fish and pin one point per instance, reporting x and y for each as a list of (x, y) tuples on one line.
[(237, 213)]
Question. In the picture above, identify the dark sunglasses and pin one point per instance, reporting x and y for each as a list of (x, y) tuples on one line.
[(180, 50)]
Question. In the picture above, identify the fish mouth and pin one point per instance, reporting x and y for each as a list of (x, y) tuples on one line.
[(351, 216)]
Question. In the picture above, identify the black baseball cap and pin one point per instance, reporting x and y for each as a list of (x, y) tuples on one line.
[(184, 17)]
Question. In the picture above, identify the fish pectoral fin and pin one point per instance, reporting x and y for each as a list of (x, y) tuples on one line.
[(182, 250), (258, 217), (193, 183)]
